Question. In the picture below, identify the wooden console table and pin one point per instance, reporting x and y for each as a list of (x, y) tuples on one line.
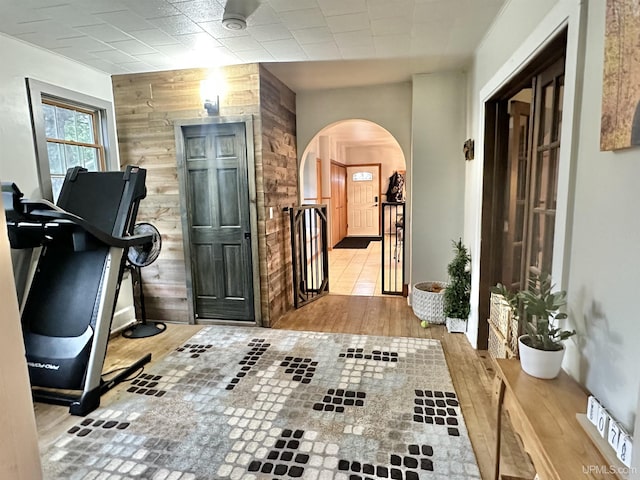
[(543, 413)]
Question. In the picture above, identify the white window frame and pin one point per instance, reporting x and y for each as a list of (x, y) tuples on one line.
[(38, 90)]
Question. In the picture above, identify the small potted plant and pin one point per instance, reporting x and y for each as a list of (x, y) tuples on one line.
[(540, 347), (457, 293)]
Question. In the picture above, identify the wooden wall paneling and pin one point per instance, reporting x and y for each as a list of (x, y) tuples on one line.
[(280, 188), (146, 106)]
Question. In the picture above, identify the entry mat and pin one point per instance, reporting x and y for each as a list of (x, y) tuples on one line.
[(358, 243), (245, 403)]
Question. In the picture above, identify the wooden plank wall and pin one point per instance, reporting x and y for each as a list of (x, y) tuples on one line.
[(146, 106), (280, 187)]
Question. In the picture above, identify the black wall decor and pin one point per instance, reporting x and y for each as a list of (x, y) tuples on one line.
[(467, 148)]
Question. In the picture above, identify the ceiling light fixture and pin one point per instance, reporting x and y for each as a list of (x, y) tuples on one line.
[(235, 22)]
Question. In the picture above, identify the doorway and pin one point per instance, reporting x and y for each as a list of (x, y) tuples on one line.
[(520, 185), (358, 159), (218, 219), (363, 205)]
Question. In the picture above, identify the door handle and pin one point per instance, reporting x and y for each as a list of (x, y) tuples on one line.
[(247, 235)]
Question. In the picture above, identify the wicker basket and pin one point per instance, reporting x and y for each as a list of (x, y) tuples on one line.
[(500, 313), (503, 320), (428, 306), (514, 334), (497, 343)]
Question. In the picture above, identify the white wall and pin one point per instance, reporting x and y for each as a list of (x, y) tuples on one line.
[(635, 459), (387, 105), (19, 455), (309, 177), (605, 250), (438, 169), (431, 113), (19, 61), (597, 256)]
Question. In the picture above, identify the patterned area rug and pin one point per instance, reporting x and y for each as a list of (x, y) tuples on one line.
[(248, 403)]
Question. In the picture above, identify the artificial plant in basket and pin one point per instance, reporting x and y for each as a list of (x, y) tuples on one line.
[(457, 293)]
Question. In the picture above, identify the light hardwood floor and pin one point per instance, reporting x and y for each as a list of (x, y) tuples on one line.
[(471, 370)]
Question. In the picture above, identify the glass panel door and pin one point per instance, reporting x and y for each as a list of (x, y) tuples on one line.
[(544, 170)]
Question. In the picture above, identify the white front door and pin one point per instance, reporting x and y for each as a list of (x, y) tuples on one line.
[(363, 200)]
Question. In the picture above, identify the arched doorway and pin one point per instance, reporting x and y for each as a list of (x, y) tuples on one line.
[(349, 166)]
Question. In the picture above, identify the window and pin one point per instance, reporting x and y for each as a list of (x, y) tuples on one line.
[(72, 140), (70, 130), (362, 177)]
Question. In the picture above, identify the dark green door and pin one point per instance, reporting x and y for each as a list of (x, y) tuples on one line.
[(217, 200)]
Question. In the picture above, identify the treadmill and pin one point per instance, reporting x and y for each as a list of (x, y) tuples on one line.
[(71, 294)]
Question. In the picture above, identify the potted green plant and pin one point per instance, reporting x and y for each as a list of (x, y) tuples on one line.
[(541, 346), (457, 293)]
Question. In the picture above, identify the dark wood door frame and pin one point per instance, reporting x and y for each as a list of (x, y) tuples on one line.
[(179, 126), (496, 140)]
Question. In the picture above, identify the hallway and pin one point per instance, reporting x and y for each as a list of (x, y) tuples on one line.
[(356, 272)]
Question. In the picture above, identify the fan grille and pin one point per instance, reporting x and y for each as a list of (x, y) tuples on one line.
[(146, 254)]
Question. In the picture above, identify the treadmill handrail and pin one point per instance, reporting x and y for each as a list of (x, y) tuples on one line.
[(52, 212)]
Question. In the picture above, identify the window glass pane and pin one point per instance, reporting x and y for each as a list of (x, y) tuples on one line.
[(70, 130), (72, 154), (362, 177), (66, 120), (56, 158), (89, 158), (516, 269), (537, 241), (56, 184), (49, 120), (560, 101), (84, 127), (546, 114), (543, 169)]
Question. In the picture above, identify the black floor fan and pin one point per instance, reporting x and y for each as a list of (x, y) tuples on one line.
[(139, 257)]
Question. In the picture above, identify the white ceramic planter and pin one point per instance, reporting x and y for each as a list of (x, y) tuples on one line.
[(456, 325), (540, 363)]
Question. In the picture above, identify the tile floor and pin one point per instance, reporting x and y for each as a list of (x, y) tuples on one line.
[(357, 271)]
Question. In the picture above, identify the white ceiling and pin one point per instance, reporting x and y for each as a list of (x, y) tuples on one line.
[(357, 41), (355, 133)]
